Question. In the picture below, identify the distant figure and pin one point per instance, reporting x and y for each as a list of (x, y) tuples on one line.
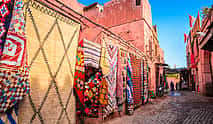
[(172, 86)]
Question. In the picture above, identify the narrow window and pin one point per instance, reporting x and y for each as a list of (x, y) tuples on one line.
[(138, 2)]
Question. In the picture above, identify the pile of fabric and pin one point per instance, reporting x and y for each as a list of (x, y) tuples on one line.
[(14, 83)]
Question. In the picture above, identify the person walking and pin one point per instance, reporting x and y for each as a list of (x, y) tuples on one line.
[(172, 86)]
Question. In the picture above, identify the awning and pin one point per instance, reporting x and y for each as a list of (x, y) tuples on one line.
[(207, 41), (161, 64)]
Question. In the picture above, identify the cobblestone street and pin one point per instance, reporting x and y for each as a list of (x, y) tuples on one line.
[(184, 108)]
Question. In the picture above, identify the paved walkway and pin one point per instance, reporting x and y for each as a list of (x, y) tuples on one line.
[(177, 108)]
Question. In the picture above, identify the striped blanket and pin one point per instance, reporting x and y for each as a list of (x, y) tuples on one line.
[(111, 77), (136, 79), (92, 53)]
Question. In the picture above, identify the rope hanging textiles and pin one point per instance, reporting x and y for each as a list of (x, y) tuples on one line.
[(14, 84)]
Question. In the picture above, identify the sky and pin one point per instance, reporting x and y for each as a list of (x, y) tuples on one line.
[(172, 19)]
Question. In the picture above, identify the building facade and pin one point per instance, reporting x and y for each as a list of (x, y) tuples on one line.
[(132, 21), (199, 55)]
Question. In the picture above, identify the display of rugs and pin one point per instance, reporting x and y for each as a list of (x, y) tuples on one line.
[(136, 79), (111, 77), (92, 53), (79, 78), (129, 88), (14, 72), (91, 95), (6, 14)]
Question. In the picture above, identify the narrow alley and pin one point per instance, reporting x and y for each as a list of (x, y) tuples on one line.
[(188, 108)]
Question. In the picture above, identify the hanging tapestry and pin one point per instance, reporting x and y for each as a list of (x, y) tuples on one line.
[(103, 93), (92, 53), (6, 13), (104, 61), (14, 83), (91, 95), (111, 77), (119, 85), (124, 73), (79, 78), (129, 88), (136, 79)]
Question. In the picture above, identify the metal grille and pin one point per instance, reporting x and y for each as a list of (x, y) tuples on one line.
[(52, 42)]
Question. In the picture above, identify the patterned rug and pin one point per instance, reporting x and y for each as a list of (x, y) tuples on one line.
[(103, 93), (14, 72), (111, 77), (91, 95), (79, 78), (6, 12), (129, 88), (119, 85), (92, 53), (136, 79)]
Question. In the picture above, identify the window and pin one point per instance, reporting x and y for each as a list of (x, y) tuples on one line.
[(138, 2)]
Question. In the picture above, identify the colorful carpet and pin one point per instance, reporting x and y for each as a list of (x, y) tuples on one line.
[(136, 79), (6, 12), (111, 77), (14, 83), (79, 78), (119, 85), (129, 89), (91, 95), (103, 93), (92, 53)]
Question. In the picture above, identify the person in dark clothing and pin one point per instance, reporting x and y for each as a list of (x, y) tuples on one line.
[(172, 86)]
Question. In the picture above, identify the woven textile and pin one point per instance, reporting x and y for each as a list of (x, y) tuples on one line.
[(92, 53), (6, 11), (10, 116), (91, 95), (111, 77), (119, 85), (79, 78), (124, 73), (14, 83), (136, 79), (104, 61), (103, 93), (129, 88)]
